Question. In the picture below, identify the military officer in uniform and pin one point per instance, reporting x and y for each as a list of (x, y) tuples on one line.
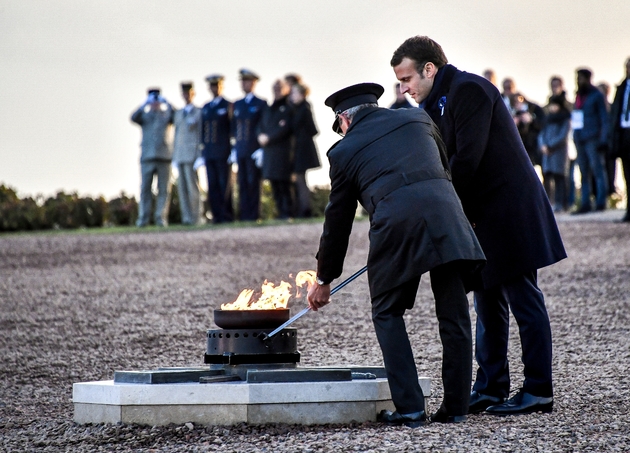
[(215, 143), (394, 164), (155, 117), (247, 114), (186, 153)]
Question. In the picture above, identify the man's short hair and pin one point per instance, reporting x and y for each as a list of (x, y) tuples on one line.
[(420, 49), (585, 72), (352, 111)]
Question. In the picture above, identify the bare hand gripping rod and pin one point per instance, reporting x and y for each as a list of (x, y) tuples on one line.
[(267, 336)]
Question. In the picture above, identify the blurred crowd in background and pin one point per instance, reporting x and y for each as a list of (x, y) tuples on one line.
[(248, 160), (584, 132), (575, 142)]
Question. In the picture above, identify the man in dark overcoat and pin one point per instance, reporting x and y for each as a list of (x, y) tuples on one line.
[(390, 161), (276, 138), (215, 142), (620, 130), (511, 216), (247, 114)]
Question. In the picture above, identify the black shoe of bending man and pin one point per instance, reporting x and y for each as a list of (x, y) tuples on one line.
[(523, 403), (413, 420), (442, 416), (480, 402)]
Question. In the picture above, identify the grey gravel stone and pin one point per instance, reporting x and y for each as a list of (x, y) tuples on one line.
[(76, 307)]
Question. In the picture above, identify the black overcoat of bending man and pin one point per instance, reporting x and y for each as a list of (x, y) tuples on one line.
[(510, 213), (390, 161)]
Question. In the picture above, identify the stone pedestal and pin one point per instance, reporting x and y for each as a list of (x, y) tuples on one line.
[(227, 403)]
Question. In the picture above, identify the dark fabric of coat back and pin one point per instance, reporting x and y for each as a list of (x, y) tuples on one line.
[(304, 129), (277, 123), (215, 130), (413, 227), (500, 191)]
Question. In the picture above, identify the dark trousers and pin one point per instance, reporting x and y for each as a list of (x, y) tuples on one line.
[(591, 163), (451, 306), (282, 197), (249, 188), (220, 190), (522, 296), (302, 196), (555, 186), (625, 163)]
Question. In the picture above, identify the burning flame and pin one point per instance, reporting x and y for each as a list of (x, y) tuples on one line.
[(272, 297)]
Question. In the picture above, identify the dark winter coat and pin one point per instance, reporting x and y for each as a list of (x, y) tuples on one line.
[(390, 162), (304, 129), (277, 122), (555, 136), (492, 173), (595, 118), (615, 121)]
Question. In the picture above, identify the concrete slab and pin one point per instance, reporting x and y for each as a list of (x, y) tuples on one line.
[(312, 413), (228, 403), (97, 413), (107, 392), (216, 414)]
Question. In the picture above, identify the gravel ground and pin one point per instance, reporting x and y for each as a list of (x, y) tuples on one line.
[(77, 306)]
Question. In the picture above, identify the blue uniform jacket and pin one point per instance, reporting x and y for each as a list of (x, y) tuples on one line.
[(215, 130), (245, 122)]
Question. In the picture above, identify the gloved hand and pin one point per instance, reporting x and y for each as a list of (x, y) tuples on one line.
[(258, 157), (199, 162), (174, 164), (232, 159)]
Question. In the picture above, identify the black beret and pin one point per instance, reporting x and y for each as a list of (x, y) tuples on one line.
[(153, 91), (187, 86), (362, 93)]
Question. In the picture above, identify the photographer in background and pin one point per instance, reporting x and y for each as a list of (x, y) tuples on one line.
[(155, 116)]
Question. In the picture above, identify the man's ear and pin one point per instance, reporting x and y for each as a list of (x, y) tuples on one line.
[(430, 69)]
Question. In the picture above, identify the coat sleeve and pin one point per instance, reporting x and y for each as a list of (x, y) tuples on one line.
[(136, 116), (310, 126), (339, 215), (471, 116)]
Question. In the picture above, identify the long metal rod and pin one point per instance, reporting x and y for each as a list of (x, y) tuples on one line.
[(307, 309)]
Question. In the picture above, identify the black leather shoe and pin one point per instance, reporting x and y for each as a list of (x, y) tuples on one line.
[(522, 403), (441, 416), (480, 402), (413, 420)]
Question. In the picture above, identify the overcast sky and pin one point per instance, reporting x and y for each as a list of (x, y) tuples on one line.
[(72, 72)]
